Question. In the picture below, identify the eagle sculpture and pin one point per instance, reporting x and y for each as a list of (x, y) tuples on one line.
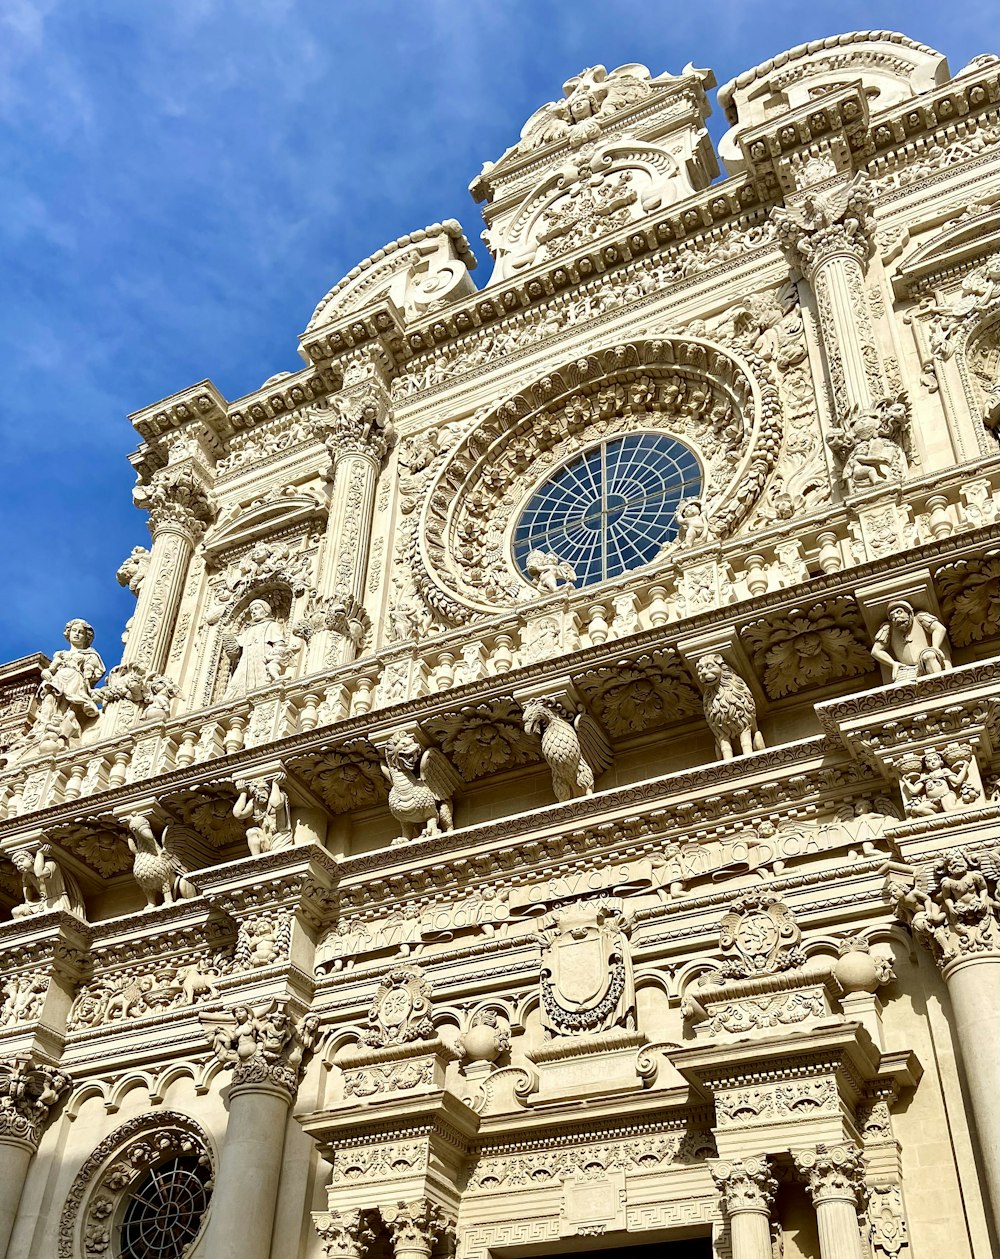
[(574, 746)]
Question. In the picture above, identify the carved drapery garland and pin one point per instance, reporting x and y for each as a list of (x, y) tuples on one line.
[(690, 388), (114, 1166)]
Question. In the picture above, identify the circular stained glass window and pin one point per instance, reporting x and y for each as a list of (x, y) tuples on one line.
[(612, 509), (164, 1212)]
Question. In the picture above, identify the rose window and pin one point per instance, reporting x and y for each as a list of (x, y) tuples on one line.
[(611, 509), (164, 1210)]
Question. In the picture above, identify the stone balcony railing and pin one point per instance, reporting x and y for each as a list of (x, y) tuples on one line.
[(943, 519)]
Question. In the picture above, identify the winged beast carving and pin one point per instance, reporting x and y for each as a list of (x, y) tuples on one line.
[(422, 783)]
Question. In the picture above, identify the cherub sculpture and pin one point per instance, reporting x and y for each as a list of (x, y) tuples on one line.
[(911, 644), (46, 886), (693, 525), (548, 572), (157, 869), (266, 802), (730, 709), (937, 782), (574, 747), (422, 784)]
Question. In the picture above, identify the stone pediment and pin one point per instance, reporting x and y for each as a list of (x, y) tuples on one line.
[(974, 235), (263, 518)]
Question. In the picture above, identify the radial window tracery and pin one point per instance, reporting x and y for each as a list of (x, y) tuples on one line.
[(164, 1212), (612, 508)]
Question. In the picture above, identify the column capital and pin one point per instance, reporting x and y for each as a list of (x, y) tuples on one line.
[(344, 1234), (746, 1184), (832, 1173), (358, 422), (415, 1227), (956, 913), (29, 1093), (178, 501), (816, 227), (264, 1046)]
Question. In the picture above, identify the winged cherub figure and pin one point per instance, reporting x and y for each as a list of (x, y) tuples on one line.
[(422, 784)]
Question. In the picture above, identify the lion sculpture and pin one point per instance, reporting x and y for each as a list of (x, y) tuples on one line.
[(730, 709)]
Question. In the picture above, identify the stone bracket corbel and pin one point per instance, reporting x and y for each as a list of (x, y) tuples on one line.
[(723, 641), (562, 690)]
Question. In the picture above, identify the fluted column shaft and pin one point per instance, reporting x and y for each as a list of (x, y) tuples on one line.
[(246, 1188), (149, 638), (974, 987), (15, 1159), (835, 1177)]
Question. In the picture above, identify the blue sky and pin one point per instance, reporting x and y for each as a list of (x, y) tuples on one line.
[(180, 182)]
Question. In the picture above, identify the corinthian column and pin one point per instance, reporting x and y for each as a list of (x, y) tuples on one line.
[(343, 1234), (179, 509), (265, 1051), (835, 1177), (748, 1190), (358, 435), (830, 238), (414, 1228), (958, 920), (27, 1096)]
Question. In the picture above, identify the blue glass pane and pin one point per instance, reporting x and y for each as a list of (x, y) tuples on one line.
[(612, 509)]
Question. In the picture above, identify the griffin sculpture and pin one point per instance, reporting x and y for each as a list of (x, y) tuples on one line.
[(422, 784), (157, 867)]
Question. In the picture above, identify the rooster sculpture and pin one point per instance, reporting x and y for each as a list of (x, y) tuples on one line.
[(422, 783), (574, 747)]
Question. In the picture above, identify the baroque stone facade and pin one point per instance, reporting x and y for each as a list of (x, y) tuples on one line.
[(548, 790)]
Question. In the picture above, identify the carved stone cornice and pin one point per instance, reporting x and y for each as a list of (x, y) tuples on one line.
[(29, 1093), (833, 1173), (745, 1184)]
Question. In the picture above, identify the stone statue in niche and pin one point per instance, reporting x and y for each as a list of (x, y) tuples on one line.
[(730, 709), (260, 650), (266, 803), (399, 1010), (586, 971), (46, 887), (68, 704), (422, 784), (869, 445), (157, 869), (937, 782), (548, 572), (911, 644), (575, 748), (694, 528)]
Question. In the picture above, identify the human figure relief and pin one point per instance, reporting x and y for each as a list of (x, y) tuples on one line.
[(421, 787), (266, 803), (693, 524), (261, 652), (911, 644), (937, 782), (548, 572), (46, 886)]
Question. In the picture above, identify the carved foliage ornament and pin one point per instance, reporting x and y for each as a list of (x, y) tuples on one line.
[(958, 914), (28, 1094), (262, 1045), (459, 557)]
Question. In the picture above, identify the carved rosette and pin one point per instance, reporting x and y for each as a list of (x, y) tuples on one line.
[(822, 226), (415, 1227), (344, 1234), (746, 1184), (833, 1173), (28, 1095)]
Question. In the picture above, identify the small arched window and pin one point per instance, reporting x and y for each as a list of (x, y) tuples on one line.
[(612, 508)]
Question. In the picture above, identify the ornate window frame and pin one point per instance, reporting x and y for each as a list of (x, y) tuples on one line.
[(103, 1183), (463, 528)]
